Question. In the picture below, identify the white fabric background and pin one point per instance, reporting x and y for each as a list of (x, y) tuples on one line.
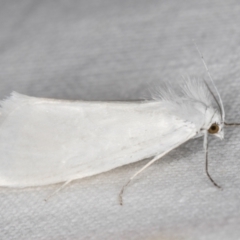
[(116, 50)]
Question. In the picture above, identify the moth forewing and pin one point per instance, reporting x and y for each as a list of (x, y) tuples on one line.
[(44, 141)]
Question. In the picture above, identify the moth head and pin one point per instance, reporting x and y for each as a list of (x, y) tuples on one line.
[(215, 126)]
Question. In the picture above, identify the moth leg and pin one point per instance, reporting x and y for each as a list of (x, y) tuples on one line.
[(205, 145), (59, 189), (141, 170), (231, 124)]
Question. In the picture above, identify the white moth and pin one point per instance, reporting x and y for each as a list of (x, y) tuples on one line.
[(46, 141)]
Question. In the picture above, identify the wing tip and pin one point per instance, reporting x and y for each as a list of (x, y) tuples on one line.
[(11, 102)]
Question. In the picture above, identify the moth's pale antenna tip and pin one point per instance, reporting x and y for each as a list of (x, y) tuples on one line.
[(194, 42), (210, 77)]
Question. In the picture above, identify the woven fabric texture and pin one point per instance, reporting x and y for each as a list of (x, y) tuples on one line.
[(117, 50)]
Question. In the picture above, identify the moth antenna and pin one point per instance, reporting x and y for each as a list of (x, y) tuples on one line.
[(205, 145), (209, 89), (205, 65)]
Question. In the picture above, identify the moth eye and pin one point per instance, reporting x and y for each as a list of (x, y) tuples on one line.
[(214, 128)]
